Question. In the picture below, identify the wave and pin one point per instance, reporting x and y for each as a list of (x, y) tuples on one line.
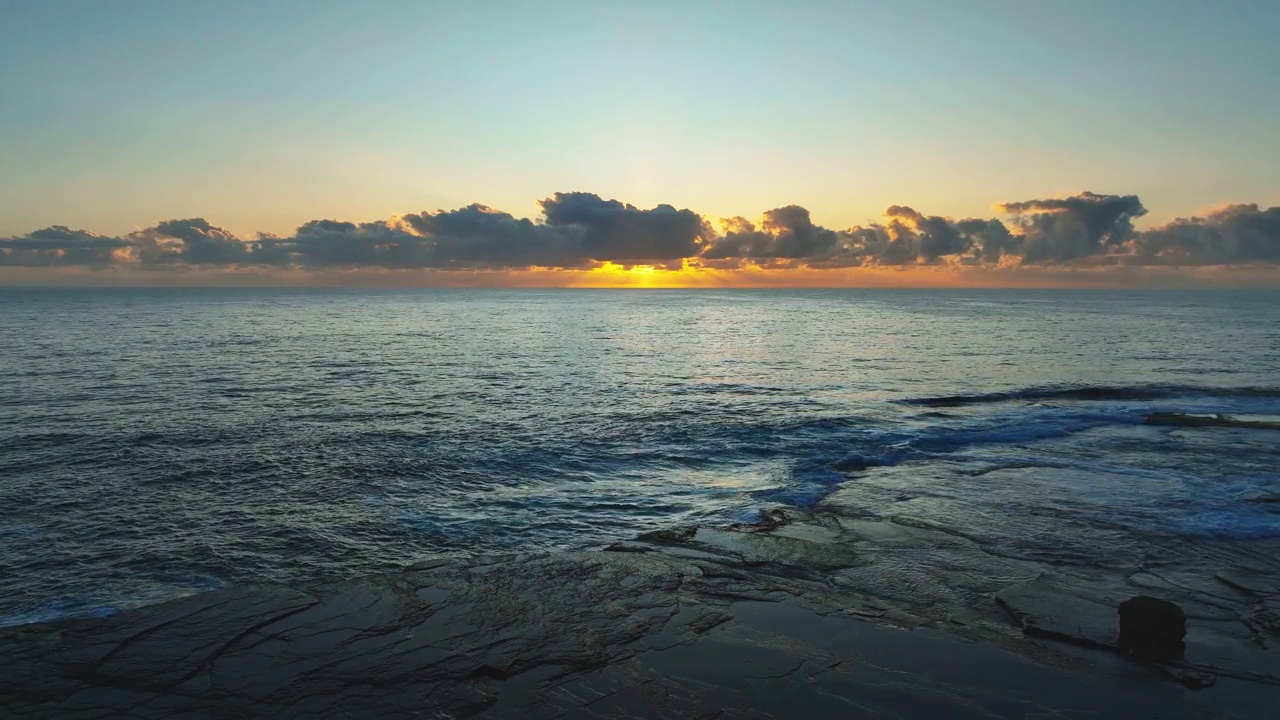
[(57, 609), (1094, 392), (108, 599)]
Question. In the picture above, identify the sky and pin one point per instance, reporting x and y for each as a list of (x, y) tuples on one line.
[(842, 142)]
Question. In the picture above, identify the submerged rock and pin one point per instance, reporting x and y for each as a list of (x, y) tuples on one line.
[(1268, 494), (669, 536), (1152, 628), (1177, 419)]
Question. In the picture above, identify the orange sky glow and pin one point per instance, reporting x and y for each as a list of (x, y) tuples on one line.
[(609, 275)]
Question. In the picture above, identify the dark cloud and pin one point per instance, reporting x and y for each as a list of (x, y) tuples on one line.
[(1232, 235), (580, 229), (479, 236), (932, 236), (878, 244), (59, 245), (1065, 229), (338, 244), (907, 238), (787, 233), (583, 230), (189, 242), (621, 233), (989, 240), (741, 240)]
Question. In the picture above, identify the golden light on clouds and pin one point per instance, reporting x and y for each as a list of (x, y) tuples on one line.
[(608, 275), (611, 275)]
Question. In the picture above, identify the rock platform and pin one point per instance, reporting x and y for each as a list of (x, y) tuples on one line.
[(789, 618)]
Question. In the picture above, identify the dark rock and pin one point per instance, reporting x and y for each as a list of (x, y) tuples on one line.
[(1152, 628), (1176, 419), (752, 622), (1188, 676), (630, 635), (1254, 583), (1044, 608), (852, 463), (672, 535), (1269, 494), (771, 519), (628, 547)]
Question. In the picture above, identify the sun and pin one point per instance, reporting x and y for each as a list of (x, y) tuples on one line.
[(610, 274)]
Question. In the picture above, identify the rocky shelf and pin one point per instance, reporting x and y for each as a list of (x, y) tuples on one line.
[(775, 620)]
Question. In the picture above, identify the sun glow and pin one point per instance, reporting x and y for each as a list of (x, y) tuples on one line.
[(608, 274)]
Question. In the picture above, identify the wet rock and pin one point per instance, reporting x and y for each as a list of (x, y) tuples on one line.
[(1049, 609), (853, 462), (1250, 582), (769, 520), (1188, 676), (615, 635), (672, 535), (628, 547), (1043, 608), (1269, 495), (732, 622), (1152, 628), (809, 533), (1175, 419), (1263, 618)]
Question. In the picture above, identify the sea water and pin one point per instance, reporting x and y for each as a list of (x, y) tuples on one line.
[(158, 442)]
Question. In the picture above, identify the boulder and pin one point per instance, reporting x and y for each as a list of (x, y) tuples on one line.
[(1152, 628)]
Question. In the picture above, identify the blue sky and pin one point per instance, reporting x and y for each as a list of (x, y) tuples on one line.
[(262, 115)]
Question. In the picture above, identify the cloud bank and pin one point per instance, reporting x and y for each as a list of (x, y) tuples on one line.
[(579, 230)]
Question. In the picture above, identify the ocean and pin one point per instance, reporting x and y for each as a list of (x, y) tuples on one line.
[(160, 442)]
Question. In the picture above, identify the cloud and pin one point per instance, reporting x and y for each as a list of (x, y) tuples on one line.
[(59, 245), (1066, 229), (911, 237), (338, 244), (480, 237), (582, 230), (989, 241), (907, 238), (188, 242), (1235, 234), (472, 237), (579, 229), (1043, 231), (617, 232), (786, 233)]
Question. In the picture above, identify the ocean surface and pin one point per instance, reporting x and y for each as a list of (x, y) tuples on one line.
[(158, 442)]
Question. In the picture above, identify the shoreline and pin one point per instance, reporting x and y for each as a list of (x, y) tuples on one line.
[(776, 619)]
